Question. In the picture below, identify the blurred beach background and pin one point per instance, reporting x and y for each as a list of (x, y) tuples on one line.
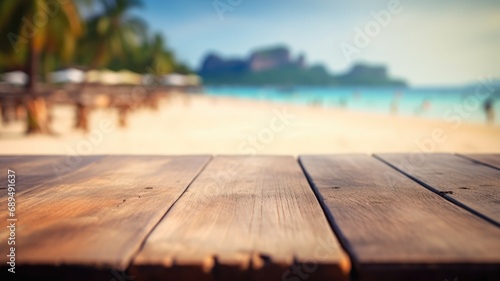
[(249, 77)]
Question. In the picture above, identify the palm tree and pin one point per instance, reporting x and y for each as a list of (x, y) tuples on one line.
[(157, 60), (151, 55), (160, 59), (34, 27), (110, 35)]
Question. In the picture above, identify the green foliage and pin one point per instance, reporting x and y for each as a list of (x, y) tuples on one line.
[(112, 34), (119, 41), (113, 38), (182, 68), (44, 27), (152, 56)]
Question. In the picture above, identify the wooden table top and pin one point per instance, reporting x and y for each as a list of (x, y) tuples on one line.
[(322, 217)]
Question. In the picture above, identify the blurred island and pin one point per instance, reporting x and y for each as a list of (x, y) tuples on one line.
[(275, 66)]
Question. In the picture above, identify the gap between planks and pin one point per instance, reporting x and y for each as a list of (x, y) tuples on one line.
[(85, 226), (490, 160), (245, 218), (472, 186), (399, 230)]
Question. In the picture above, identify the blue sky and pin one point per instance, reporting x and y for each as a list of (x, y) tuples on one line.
[(428, 42)]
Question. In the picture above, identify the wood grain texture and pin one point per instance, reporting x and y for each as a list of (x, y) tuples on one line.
[(395, 229), (83, 226), (492, 160), (244, 218), (473, 186), (34, 171)]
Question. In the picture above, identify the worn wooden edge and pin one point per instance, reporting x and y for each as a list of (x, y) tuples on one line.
[(476, 159), (437, 191), (64, 272), (213, 270), (420, 272)]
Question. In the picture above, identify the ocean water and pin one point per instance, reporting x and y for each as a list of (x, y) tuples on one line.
[(435, 103)]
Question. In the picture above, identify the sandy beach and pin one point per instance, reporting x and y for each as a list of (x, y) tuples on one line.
[(214, 125)]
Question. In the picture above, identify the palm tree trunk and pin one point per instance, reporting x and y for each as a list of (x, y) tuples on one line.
[(82, 106), (82, 110), (123, 115), (4, 112), (82, 114), (19, 109), (32, 68), (36, 108)]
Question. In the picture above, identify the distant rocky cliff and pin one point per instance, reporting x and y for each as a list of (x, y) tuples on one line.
[(275, 66)]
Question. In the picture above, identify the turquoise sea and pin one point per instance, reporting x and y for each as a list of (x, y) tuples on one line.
[(436, 103)]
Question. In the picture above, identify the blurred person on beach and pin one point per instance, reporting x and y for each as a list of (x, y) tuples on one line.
[(343, 102), (425, 106), (395, 103), (489, 110)]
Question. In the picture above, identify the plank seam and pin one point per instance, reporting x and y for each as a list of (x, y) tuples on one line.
[(143, 242), (344, 243), (439, 192), (476, 161)]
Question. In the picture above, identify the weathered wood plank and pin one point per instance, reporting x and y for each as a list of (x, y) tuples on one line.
[(492, 160), (395, 229), (96, 220), (34, 171), (470, 185), (244, 218)]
